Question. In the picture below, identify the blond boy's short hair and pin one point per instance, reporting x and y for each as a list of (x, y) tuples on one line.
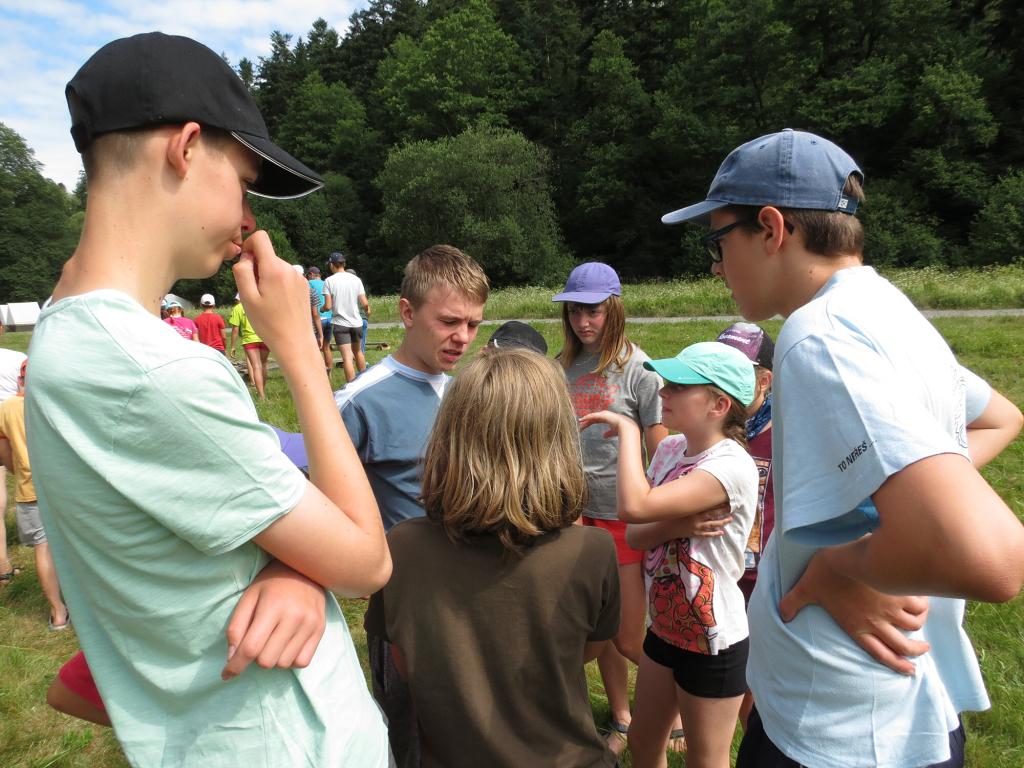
[(443, 265)]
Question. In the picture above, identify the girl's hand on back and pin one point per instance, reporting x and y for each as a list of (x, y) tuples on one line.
[(616, 423)]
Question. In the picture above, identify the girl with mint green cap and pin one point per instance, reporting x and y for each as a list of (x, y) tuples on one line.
[(694, 655)]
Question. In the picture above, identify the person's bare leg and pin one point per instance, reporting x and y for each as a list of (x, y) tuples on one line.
[(5, 564), (615, 676), (360, 358), (252, 359), (653, 713), (745, 708), (326, 349), (627, 646), (63, 699), (347, 360), (711, 724), (264, 364), (48, 581)]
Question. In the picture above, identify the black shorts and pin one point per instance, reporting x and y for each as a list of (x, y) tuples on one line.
[(344, 335), (721, 676)]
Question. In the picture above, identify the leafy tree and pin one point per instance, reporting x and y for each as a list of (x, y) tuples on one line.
[(465, 71), (607, 159), (325, 125), (371, 32), (36, 231), (485, 191), (997, 232)]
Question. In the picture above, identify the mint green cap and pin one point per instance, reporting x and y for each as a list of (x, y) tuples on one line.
[(710, 362)]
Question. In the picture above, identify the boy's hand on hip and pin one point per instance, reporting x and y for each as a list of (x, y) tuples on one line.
[(876, 621), (278, 622)]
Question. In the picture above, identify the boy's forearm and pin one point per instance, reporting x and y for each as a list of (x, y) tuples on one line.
[(943, 531)]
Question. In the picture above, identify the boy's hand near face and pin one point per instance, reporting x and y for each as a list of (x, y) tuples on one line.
[(276, 299)]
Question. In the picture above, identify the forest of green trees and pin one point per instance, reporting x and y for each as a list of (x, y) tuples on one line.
[(536, 133)]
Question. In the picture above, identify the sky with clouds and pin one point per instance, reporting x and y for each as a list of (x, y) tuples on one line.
[(44, 42)]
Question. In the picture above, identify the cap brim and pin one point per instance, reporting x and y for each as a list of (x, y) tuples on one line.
[(282, 177), (585, 297), (674, 370), (698, 211)]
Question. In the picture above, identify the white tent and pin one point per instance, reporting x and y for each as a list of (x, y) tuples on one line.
[(19, 316)]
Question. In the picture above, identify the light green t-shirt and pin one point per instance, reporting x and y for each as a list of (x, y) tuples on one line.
[(238, 318), (153, 476)]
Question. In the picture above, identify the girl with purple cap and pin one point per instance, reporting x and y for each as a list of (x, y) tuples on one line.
[(606, 372)]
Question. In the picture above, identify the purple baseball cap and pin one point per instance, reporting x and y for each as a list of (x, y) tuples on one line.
[(752, 341), (293, 445), (590, 283)]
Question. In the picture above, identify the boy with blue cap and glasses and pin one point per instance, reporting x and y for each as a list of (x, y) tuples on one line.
[(875, 490), (166, 543)]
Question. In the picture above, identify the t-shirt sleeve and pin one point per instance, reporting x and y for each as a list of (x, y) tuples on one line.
[(235, 318), (606, 625), (848, 423), (977, 393), (355, 422), (736, 471), (647, 401), (190, 452)]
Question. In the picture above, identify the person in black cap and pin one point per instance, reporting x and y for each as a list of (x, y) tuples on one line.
[(171, 510), (518, 334)]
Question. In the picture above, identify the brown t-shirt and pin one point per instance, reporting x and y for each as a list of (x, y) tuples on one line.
[(494, 643)]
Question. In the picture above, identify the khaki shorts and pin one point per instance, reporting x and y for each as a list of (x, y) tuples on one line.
[(30, 524)]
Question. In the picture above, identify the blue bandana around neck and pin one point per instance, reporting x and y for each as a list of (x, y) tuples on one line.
[(757, 422)]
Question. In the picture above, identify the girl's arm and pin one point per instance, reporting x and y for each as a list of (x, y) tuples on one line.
[(638, 502), (653, 435), (709, 524)]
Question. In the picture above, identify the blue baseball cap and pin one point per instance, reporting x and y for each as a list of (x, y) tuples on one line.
[(788, 169), (590, 283), (710, 362)]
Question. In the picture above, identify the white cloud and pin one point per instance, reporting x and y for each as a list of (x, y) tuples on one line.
[(45, 41)]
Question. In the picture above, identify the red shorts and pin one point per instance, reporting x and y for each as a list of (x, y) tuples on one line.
[(75, 674), (626, 554), (255, 345)]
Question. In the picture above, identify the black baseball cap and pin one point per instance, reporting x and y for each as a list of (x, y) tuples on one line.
[(517, 334), (156, 79), (336, 258)]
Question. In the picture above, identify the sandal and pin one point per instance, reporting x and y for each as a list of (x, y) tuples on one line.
[(5, 578), (620, 733), (679, 737), (59, 627)]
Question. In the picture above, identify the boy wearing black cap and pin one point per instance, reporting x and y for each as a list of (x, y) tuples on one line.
[(156, 529), (872, 478)]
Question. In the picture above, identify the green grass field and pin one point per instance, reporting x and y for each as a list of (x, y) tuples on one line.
[(32, 736)]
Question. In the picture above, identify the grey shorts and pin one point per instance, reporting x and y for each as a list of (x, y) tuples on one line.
[(30, 524), (344, 335)]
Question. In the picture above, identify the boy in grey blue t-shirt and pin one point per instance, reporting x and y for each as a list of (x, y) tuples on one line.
[(872, 477), (389, 412)]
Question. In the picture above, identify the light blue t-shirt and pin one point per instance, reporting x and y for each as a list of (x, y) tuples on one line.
[(389, 411), (864, 386), (318, 286), (154, 475)]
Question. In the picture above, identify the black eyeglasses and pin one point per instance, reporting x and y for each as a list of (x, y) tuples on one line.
[(711, 243)]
